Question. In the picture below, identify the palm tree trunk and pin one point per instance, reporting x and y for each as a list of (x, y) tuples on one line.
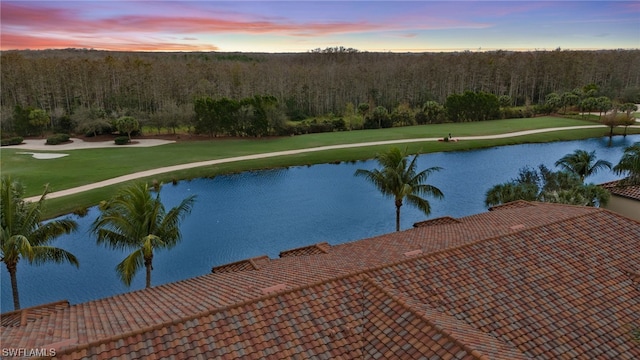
[(398, 205), (12, 268), (148, 264)]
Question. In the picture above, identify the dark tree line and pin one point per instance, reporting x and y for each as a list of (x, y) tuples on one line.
[(256, 116), (160, 88), (472, 106)]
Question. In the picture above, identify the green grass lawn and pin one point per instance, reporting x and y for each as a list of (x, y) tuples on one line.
[(91, 165)]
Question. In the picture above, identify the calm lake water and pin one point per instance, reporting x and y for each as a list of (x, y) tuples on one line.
[(264, 212)]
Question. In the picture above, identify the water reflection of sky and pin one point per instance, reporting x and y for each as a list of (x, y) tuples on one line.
[(264, 212)]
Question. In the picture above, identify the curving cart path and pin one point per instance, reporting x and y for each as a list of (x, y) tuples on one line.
[(162, 170)]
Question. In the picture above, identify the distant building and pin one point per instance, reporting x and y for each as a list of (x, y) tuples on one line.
[(625, 199), (525, 280)]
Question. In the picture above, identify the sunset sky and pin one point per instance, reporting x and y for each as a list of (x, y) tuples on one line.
[(300, 26)]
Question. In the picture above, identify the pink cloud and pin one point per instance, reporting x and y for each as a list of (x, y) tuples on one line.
[(407, 36), (632, 6), (18, 15), (17, 41), (54, 19), (175, 25)]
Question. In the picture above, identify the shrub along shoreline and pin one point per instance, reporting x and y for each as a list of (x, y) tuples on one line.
[(92, 165)]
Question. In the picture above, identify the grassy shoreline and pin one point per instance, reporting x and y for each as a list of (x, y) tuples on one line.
[(92, 165)]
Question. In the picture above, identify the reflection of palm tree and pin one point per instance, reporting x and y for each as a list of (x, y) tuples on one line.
[(582, 163), (398, 179), (135, 220), (629, 164), (23, 235)]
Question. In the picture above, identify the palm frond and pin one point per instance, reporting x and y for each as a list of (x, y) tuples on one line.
[(128, 267), (169, 226), (16, 247), (424, 174), (47, 232), (582, 163), (428, 190), (420, 203), (511, 191), (151, 242), (376, 177), (629, 164), (114, 240), (45, 254)]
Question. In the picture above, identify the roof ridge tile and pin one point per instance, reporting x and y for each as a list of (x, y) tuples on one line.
[(254, 263), (443, 220), (314, 249), (20, 317), (513, 204)]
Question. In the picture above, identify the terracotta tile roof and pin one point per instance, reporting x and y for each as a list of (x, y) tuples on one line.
[(242, 265), (437, 221), (355, 318), (531, 280), (512, 205), (621, 189), (320, 248), (552, 291), (21, 317)]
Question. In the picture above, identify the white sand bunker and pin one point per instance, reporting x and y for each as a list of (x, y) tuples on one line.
[(43, 156)]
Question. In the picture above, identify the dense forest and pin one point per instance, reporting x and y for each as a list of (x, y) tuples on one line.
[(164, 88)]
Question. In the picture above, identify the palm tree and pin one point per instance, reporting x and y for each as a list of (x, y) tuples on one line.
[(398, 179), (135, 220), (629, 164), (24, 236), (511, 191), (582, 194), (582, 163), (547, 186)]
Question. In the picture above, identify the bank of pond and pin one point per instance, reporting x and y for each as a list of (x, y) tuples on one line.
[(255, 213)]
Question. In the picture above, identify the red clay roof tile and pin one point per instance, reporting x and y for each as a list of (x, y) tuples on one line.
[(315, 249), (622, 188)]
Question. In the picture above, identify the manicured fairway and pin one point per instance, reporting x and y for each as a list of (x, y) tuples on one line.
[(92, 165)]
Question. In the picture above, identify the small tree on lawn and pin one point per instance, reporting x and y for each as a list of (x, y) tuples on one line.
[(588, 105), (568, 99), (628, 108), (553, 102), (603, 104), (127, 124), (38, 119), (363, 109), (627, 119), (612, 120)]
